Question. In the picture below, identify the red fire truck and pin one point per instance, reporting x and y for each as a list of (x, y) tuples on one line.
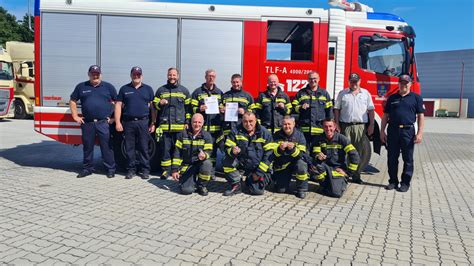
[(245, 37)]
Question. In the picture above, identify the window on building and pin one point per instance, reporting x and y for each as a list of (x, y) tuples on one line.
[(290, 41)]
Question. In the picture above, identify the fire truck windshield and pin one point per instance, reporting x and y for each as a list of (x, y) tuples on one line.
[(383, 55), (6, 71)]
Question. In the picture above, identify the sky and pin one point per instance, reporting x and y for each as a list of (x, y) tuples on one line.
[(440, 25)]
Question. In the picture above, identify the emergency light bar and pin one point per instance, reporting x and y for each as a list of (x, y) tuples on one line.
[(350, 6)]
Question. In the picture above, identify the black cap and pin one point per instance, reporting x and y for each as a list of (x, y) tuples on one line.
[(94, 69), (354, 77), (404, 78), (136, 70)]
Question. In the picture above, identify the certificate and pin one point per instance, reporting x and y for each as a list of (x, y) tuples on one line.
[(212, 105), (231, 112)]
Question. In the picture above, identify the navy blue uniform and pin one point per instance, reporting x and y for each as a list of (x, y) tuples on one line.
[(135, 117), (96, 106), (402, 112)]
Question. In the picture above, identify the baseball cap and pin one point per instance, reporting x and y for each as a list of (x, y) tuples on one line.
[(94, 69), (136, 70), (404, 78), (354, 77)]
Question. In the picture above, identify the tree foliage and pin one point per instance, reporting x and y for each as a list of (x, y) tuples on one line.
[(13, 30)]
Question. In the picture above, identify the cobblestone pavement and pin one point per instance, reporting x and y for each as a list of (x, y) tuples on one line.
[(48, 216)]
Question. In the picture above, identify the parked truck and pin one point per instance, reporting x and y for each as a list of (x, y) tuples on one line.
[(6, 85), (22, 55), (253, 39)]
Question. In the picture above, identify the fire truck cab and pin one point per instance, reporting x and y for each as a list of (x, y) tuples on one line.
[(6, 85)]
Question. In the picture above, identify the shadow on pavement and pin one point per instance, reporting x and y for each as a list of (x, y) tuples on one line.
[(50, 154)]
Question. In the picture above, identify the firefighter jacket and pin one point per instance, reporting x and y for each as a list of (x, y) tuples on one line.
[(244, 100), (188, 147), (269, 115), (336, 151), (283, 158), (320, 108), (173, 116), (212, 122), (256, 152)]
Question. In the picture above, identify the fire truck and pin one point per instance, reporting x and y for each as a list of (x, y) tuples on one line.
[(22, 55), (194, 35), (6, 85)]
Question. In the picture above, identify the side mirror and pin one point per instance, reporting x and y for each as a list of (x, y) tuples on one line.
[(25, 72)]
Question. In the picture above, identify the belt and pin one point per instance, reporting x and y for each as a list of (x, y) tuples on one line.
[(402, 126), (353, 123), (128, 118), (95, 120)]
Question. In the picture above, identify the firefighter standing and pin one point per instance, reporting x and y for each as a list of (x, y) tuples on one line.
[(191, 160), (272, 105), (313, 104), (172, 102), (290, 151), (401, 111), (249, 148), (212, 122), (136, 100), (96, 97), (330, 151), (238, 95)]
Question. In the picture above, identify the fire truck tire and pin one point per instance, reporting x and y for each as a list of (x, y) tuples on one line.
[(366, 149), (20, 109), (118, 143)]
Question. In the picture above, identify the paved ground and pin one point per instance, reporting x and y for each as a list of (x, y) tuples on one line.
[(48, 216)]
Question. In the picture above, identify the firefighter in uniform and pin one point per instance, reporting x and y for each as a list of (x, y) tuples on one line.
[(290, 151), (238, 95), (401, 111), (96, 97), (191, 160), (212, 122), (313, 104), (272, 105), (172, 103), (330, 151), (249, 149), (136, 99)]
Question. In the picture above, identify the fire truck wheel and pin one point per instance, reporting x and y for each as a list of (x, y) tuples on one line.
[(120, 155), (20, 110), (366, 149)]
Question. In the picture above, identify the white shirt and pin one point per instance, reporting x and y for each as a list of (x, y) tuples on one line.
[(353, 107)]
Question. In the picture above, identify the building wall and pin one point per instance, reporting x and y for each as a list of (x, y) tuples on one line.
[(440, 76)]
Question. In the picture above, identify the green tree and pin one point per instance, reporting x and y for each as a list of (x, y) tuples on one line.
[(13, 30)]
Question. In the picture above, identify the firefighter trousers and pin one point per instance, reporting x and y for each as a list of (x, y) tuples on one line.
[(167, 146), (197, 174), (233, 174), (282, 176)]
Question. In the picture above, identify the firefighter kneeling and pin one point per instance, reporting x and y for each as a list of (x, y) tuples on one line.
[(330, 151), (191, 163), (290, 152), (249, 148)]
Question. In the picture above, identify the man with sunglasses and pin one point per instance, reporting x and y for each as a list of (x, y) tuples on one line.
[(401, 111), (134, 101)]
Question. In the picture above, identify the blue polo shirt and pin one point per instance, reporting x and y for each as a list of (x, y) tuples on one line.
[(136, 102), (402, 110), (96, 102)]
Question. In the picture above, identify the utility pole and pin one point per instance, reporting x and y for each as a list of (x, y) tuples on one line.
[(462, 89), (29, 16)]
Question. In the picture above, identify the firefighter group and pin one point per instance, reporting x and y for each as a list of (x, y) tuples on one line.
[(266, 142)]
